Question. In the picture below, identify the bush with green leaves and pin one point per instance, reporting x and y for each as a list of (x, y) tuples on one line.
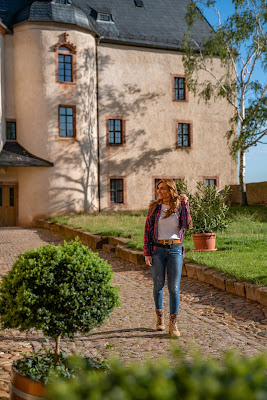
[(39, 366), (235, 377), (60, 290), (207, 207)]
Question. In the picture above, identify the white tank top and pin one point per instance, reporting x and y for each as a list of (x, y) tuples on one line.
[(168, 228)]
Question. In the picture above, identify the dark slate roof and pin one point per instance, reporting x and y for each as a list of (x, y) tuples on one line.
[(50, 11), (9, 7), (160, 23), (14, 155)]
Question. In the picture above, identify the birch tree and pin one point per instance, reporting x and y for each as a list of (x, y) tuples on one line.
[(240, 44)]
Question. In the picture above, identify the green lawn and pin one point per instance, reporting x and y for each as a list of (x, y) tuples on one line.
[(242, 248)]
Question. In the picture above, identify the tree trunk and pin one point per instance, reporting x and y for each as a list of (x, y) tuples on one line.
[(57, 350), (242, 154), (242, 185)]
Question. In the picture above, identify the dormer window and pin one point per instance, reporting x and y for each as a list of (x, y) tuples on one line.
[(139, 3), (104, 17)]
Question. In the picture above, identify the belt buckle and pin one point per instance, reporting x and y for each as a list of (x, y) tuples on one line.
[(168, 242)]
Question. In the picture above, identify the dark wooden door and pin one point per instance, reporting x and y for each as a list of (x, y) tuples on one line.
[(8, 205)]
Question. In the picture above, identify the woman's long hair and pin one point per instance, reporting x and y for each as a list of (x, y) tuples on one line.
[(174, 200)]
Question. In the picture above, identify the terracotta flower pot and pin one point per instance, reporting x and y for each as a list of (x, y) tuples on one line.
[(204, 241), (24, 388)]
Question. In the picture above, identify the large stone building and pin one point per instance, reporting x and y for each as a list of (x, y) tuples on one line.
[(94, 107)]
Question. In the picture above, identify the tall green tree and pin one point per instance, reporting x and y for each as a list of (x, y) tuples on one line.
[(240, 44)]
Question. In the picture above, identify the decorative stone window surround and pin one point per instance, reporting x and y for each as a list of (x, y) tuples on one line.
[(123, 131), (124, 191), (67, 138), (72, 48), (190, 123), (216, 178), (186, 100)]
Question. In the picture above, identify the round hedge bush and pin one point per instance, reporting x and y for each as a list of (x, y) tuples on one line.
[(60, 290)]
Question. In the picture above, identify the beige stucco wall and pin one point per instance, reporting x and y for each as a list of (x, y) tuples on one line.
[(137, 84), (2, 92), (71, 185), (134, 83)]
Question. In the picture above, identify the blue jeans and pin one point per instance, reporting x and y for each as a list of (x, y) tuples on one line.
[(172, 260)]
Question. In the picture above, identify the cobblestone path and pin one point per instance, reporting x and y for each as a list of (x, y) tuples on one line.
[(212, 319)]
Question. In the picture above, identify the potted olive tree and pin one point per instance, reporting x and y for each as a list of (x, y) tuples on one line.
[(209, 214), (60, 290)]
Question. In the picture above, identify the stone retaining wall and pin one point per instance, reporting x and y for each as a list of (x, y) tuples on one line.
[(199, 272), (256, 194)]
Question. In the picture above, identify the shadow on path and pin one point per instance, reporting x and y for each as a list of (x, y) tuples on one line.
[(151, 333)]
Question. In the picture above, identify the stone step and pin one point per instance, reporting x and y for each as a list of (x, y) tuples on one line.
[(109, 248), (117, 240), (87, 238), (135, 257)]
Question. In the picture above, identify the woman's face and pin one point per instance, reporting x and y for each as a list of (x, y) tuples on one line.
[(163, 192)]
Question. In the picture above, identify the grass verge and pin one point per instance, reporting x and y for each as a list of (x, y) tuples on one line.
[(242, 249)]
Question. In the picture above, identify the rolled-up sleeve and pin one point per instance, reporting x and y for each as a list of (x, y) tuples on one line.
[(147, 238), (185, 221), (185, 217)]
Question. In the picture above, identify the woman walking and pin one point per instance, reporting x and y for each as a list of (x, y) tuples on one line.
[(166, 221)]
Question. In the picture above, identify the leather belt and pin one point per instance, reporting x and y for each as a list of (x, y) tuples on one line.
[(170, 241), (173, 243)]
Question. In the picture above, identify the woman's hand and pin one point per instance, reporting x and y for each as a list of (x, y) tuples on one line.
[(148, 261), (183, 197)]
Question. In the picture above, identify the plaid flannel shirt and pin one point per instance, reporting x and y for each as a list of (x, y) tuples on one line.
[(185, 222)]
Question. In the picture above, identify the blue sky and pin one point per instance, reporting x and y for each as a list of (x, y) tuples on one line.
[(256, 161)]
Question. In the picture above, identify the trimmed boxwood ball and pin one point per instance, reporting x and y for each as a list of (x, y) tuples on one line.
[(60, 290)]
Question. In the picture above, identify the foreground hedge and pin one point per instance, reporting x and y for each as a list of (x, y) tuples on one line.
[(234, 378)]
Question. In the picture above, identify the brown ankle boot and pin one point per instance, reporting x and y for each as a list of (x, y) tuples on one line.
[(160, 320), (173, 330)]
